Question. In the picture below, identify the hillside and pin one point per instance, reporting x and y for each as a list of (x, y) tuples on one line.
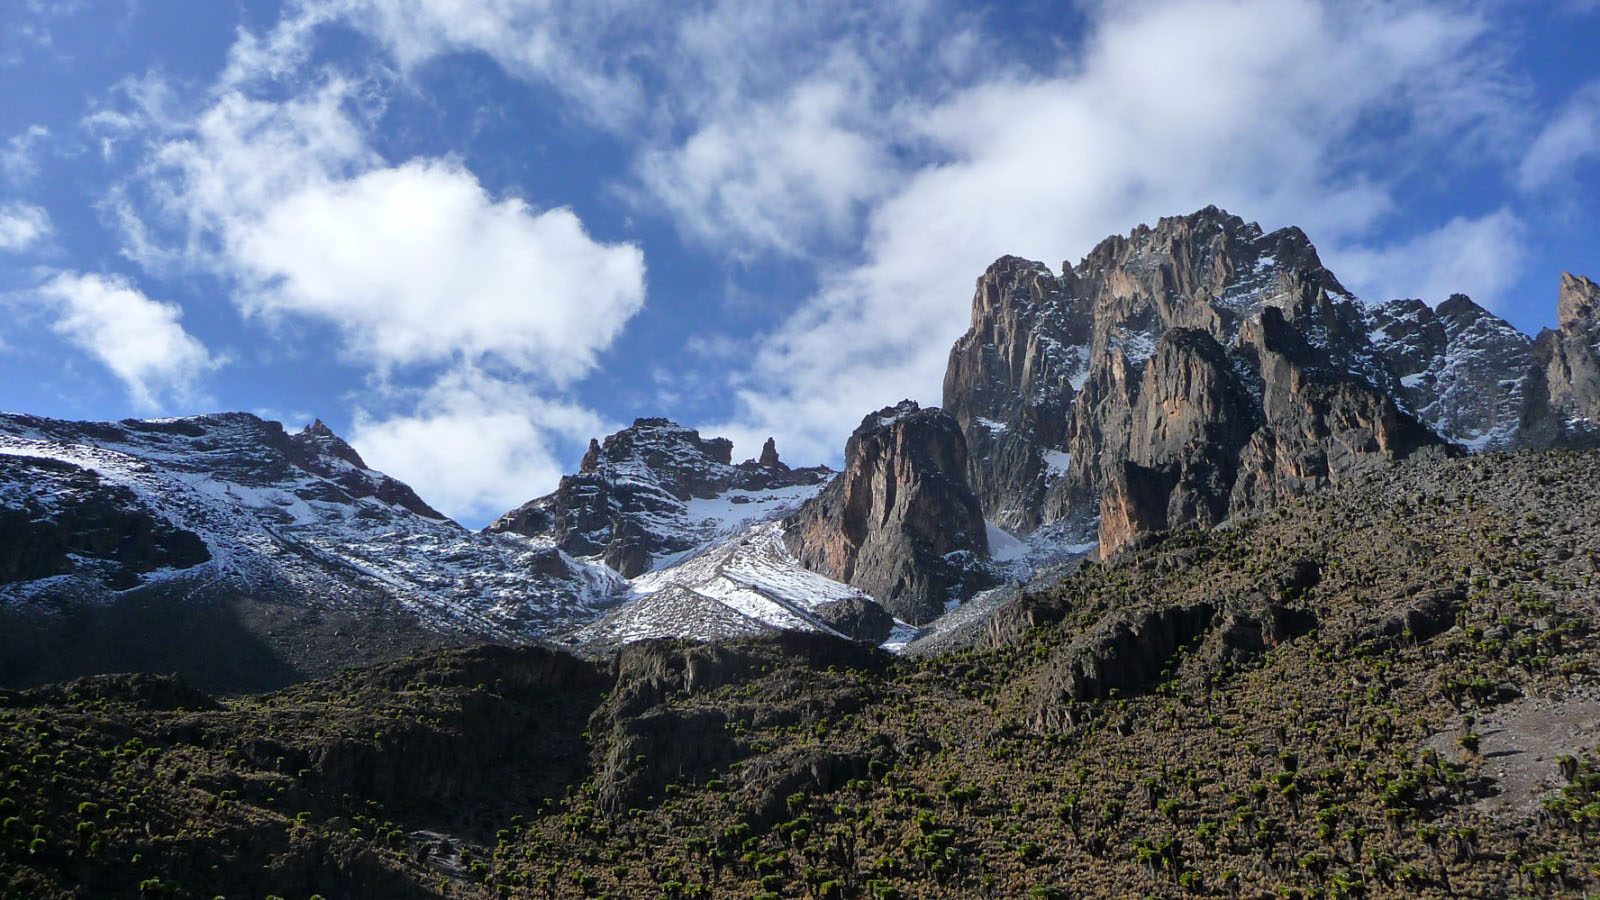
[(1389, 688)]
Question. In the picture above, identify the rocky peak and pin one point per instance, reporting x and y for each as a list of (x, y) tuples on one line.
[(1578, 304), (630, 501), (671, 456), (1052, 383), (1209, 270), (1568, 362), (900, 522), (1048, 373), (317, 449), (769, 456), (318, 440)]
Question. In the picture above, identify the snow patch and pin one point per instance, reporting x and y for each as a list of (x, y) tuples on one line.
[(1002, 546)]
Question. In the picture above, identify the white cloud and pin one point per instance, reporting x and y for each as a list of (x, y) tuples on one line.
[(1570, 140), (475, 445), (1479, 257), (759, 125), (19, 158), (139, 339), (412, 263), (777, 177), (417, 263), (22, 226)]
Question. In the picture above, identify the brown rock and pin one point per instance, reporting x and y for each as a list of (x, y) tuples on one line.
[(900, 522), (1568, 359)]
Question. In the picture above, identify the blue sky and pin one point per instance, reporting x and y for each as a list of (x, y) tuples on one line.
[(470, 236)]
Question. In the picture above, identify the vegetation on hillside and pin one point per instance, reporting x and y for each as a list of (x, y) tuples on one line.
[(1331, 700)]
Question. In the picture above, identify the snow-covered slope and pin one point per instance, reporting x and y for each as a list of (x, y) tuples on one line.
[(197, 513), (739, 587), (291, 518)]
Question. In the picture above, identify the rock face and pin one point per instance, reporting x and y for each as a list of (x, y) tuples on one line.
[(60, 518), (1568, 359), (900, 522), (630, 502), (1011, 382), (1466, 372), (1203, 368)]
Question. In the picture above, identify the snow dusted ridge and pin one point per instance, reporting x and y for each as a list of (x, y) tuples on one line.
[(656, 492), (741, 587), (290, 518), (229, 505)]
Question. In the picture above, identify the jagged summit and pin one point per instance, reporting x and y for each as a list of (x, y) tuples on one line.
[(1179, 375), (656, 489), (1578, 303), (1058, 388), (317, 449)]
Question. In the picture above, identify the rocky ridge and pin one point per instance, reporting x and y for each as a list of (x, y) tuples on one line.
[(632, 501), (1182, 375), (224, 547)]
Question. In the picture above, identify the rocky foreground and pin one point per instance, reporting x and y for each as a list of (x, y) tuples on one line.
[(1391, 688)]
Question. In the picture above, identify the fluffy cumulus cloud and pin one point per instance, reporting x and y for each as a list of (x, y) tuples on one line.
[(140, 340), (411, 263), (22, 226), (481, 445), (422, 274), (416, 263)]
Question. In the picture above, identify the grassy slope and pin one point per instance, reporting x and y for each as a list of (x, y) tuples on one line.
[(1343, 761)]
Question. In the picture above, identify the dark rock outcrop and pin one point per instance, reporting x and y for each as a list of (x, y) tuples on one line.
[(1416, 617), (900, 522), (627, 503), (857, 618), (651, 742), (1130, 650), (60, 518)]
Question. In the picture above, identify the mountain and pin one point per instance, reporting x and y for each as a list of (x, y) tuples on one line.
[(1384, 689), (1203, 369), (900, 522), (245, 556), (1569, 357), (1338, 638)]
